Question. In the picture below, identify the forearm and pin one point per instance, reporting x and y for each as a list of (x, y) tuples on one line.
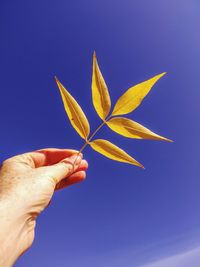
[(16, 231)]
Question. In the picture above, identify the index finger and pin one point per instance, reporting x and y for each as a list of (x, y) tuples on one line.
[(50, 156), (44, 157)]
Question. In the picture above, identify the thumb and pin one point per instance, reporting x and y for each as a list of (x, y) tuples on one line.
[(64, 168)]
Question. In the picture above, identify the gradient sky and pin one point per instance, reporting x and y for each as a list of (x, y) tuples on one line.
[(121, 215)]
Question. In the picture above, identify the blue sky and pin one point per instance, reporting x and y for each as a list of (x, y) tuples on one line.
[(189, 258), (121, 215)]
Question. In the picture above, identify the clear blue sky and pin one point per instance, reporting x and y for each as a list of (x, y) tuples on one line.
[(121, 215)]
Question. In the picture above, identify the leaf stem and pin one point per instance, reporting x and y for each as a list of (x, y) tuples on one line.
[(98, 128), (94, 133)]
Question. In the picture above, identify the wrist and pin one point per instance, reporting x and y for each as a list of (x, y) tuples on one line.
[(16, 230)]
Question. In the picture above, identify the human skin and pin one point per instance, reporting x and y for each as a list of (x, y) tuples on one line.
[(27, 184)]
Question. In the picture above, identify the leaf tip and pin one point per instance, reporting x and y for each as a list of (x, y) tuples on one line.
[(94, 54), (141, 166), (160, 75), (166, 139), (137, 163), (56, 79), (163, 73), (169, 140)]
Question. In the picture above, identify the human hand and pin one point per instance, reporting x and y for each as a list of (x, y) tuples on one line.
[(27, 183)]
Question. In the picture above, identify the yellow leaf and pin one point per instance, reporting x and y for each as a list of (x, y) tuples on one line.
[(74, 112), (132, 98), (100, 94), (111, 151), (132, 129)]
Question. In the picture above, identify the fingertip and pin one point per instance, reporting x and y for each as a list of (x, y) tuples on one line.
[(78, 176), (81, 155), (84, 164), (83, 175)]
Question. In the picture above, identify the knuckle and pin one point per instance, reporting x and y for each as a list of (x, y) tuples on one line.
[(67, 165), (7, 162)]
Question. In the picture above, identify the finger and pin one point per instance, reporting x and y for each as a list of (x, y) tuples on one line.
[(76, 176), (43, 157), (83, 166), (63, 169), (53, 155), (72, 179)]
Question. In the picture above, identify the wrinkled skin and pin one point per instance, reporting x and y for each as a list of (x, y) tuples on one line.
[(27, 184)]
